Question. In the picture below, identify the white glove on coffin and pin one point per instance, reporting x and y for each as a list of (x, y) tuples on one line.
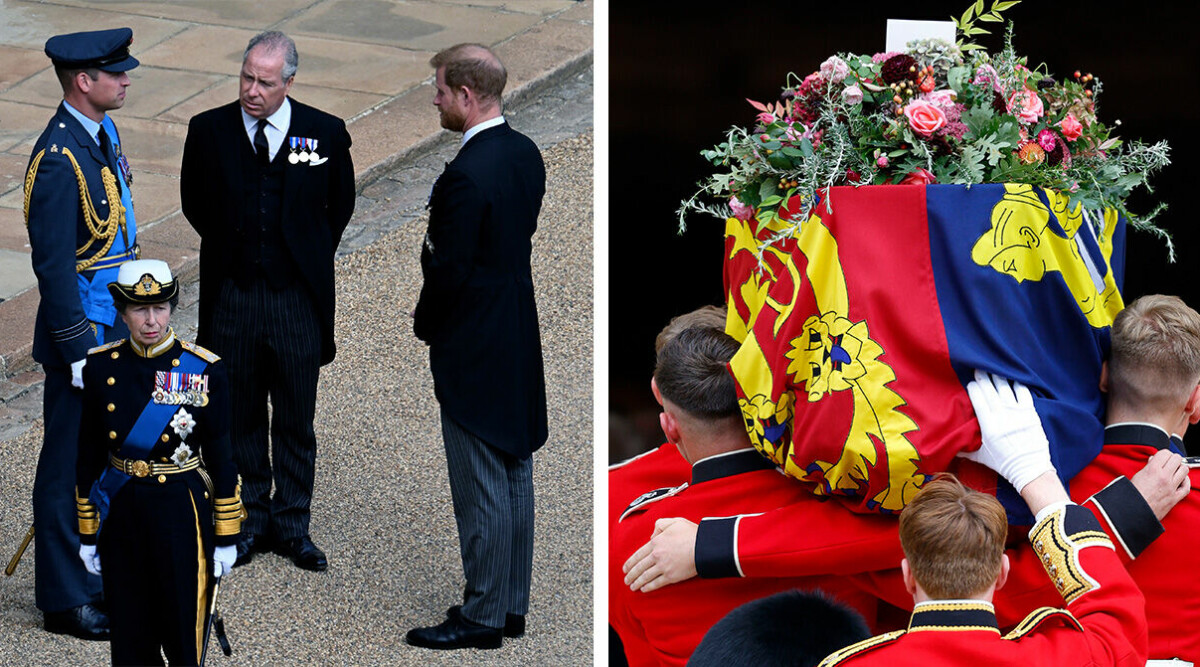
[(1014, 443)]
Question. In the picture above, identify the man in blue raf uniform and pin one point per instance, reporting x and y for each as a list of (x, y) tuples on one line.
[(79, 211), (157, 491)]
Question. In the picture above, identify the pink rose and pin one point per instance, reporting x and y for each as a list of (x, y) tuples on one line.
[(834, 69), (852, 95), (943, 99), (882, 161), (924, 118), (1026, 106), (1071, 127), (1047, 140), (766, 118), (986, 75), (740, 210), (918, 176)]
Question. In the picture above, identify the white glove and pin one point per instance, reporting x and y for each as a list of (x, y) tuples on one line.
[(77, 373), (1014, 443), (91, 560), (223, 559)]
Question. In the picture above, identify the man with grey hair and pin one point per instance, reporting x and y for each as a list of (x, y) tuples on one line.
[(268, 184), (478, 315)]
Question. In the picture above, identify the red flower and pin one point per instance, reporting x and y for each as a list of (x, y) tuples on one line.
[(918, 176)]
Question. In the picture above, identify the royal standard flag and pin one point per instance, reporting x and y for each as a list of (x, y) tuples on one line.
[(860, 326)]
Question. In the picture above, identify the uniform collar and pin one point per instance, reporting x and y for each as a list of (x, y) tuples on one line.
[(953, 615), (476, 129), (1137, 433), (728, 464), (154, 350), (89, 125)]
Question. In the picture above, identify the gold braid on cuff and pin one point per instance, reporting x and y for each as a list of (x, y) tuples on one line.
[(228, 513), (89, 518)]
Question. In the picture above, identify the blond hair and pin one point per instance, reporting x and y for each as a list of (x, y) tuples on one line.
[(1155, 362), (953, 538)]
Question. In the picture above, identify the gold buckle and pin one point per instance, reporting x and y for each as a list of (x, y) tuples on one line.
[(140, 468)]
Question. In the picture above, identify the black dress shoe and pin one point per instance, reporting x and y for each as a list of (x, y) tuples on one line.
[(84, 622), (248, 545), (514, 624), (303, 553), (455, 632)]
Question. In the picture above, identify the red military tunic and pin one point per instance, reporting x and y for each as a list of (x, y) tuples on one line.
[(1104, 622), (663, 627), (1158, 563), (659, 468)]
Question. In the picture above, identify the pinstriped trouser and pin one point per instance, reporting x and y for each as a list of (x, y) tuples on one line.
[(493, 507), (271, 343)]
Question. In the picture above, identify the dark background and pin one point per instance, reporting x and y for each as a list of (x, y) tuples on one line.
[(679, 78)]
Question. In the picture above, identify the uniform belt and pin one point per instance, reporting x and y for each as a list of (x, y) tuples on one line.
[(116, 260), (140, 468)]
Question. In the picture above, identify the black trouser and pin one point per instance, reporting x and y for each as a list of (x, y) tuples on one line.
[(155, 551), (271, 343), (60, 580)]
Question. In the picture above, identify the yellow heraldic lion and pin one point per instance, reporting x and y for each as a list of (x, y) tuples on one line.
[(832, 354), (1022, 244)]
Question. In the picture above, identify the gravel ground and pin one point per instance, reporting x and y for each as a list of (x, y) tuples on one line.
[(382, 508)]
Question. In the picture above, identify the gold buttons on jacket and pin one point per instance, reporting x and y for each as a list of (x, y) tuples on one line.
[(112, 407), (174, 362), (165, 438), (112, 381), (115, 355), (162, 479), (112, 435)]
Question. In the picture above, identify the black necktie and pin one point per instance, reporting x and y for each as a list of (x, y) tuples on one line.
[(261, 147), (107, 149)]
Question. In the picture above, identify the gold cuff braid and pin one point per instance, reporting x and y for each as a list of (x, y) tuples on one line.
[(229, 513), (1059, 551), (89, 518)]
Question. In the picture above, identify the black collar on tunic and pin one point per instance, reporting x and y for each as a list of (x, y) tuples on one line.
[(1139, 434), (726, 465), (958, 615)]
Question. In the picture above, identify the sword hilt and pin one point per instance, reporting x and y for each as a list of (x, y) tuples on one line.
[(12, 564)]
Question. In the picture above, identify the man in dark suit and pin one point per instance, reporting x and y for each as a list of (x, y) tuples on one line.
[(477, 313), (79, 209), (268, 184)]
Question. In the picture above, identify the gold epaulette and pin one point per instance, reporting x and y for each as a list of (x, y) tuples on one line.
[(228, 513), (865, 645), (107, 346), (1057, 540), (89, 518), (204, 354), (1040, 615)]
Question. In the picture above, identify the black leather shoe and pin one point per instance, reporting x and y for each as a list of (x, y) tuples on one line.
[(514, 624), (84, 622), (303, 553), (248, 545), (455, 632)]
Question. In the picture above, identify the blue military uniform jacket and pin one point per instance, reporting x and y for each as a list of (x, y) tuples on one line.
[(81, 227)]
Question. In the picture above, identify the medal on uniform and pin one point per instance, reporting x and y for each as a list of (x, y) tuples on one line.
[(292, 157), (312, 155), (303, 149), (123, 163)]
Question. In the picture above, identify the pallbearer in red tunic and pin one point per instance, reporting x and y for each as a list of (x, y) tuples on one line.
[(157, 491), (701, 418), (953, 541)]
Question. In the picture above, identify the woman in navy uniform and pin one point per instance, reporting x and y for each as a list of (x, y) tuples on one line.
[(158, 495)]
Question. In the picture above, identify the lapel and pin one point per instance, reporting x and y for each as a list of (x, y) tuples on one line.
[(81, 137), (231, 133)]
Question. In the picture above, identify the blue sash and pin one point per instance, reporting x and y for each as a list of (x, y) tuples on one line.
[(141, 439)]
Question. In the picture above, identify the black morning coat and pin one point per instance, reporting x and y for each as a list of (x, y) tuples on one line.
[(318, 201), (477, 309)]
